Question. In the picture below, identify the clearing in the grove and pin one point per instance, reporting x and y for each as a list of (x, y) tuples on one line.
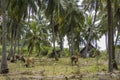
[(49, 69)]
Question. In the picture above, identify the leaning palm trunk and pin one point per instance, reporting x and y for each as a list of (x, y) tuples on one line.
[(91, 28), (24, 36), (4, 67)]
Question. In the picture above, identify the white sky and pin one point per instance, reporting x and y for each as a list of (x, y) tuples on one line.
[(101, 43)]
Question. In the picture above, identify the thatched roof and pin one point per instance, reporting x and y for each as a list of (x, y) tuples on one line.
[(83, 52), (90, 46)]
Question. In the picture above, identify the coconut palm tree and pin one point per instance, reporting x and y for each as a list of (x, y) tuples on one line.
[(72, 22), (104, 29), (54, 7), (4, 67), (37, 34), (110, 35), (19, 11)]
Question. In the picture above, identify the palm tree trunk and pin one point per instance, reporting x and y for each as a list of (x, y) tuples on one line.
[(11, 49), (12, 42), (115, 66), (16, 37), (61, 43), (91, 28), (18, 45), (4, 67), (69, 43), (24, 36), (110, 48), (54, 49), (72, 41), (112, 63)]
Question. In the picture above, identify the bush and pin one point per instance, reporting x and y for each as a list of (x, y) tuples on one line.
[(66, 52), (44, 51), (104, 55)]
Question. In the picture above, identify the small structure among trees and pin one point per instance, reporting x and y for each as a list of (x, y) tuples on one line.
[(52, 54), (89, 51)]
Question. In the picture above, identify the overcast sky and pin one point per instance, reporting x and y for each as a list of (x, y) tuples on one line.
[(101, 43)]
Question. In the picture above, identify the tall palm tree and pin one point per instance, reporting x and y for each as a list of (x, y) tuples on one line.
[(54, 6), (110, 35), (111, 48), (36, 36), (4, 67), (19, 11), (92, 6), (104, 29), (72, 21), (102, 8)]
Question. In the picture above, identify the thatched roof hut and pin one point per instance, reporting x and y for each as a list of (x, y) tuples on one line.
[(91, 52)]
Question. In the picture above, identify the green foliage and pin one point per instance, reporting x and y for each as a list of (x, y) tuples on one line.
[(65, 52), (44, 50), (0, 49), (50, 51), (104, 55), (24, 51)]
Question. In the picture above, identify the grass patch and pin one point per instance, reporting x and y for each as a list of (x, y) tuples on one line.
[(50, 67)]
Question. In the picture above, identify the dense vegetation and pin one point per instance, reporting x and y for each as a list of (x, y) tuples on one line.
[(31, 28)]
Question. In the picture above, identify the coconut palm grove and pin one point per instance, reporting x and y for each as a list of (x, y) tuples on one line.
[(59, 39)]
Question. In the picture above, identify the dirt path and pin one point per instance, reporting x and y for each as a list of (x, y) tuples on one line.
[(38, 75)]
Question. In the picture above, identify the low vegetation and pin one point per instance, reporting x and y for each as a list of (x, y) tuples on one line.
[(48, 69)]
